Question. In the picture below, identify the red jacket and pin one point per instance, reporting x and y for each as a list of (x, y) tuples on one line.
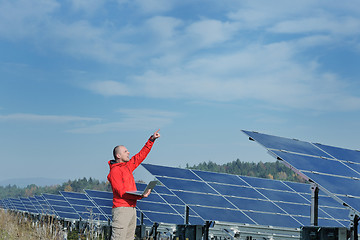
[(122, 180)]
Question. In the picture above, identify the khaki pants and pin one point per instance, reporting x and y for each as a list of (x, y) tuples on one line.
[(123, 223)]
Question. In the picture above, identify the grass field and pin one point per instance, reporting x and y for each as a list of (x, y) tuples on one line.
[(18, 226)]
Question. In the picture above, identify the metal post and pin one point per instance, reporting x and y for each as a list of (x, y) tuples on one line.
[(314, 204), (354, 225), (186, 220), (206, 229)]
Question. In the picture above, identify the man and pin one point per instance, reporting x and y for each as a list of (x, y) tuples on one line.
[(122, 180)]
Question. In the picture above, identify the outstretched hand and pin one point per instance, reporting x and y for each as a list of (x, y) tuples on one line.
[(156, 134)]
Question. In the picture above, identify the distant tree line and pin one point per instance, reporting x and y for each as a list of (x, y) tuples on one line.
[(272, 170), (70, 186)]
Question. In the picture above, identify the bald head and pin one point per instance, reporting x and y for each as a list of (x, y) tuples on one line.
[(121, 154)]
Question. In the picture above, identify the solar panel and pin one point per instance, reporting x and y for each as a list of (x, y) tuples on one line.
[(17, 204), (246, 200), (36, 204), (103, 200), (61, 207), (29, 206), (8, 205), (162, 206), (335, 170), (45, 207), (83, 206)]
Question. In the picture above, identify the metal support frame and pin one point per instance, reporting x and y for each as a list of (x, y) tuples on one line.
[(207, 225), (187, 214), (314, 214), (354, 225), (154, 231)]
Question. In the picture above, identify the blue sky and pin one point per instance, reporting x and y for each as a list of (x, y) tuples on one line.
[(81, 76)]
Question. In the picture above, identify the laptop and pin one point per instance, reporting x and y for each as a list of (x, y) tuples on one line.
[(151, 186)]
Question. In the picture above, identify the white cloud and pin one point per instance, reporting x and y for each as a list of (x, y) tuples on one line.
[(22, 18), (208, 32), (320, 24), (25, 117), (132, 120), (257, 14), (163, 27), (81, 39), (268, 73), (170, 51)]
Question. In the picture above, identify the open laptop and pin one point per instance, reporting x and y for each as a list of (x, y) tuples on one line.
[(150, 185)]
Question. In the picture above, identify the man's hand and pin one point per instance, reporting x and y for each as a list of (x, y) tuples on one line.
[(155, 135), (147, 193)]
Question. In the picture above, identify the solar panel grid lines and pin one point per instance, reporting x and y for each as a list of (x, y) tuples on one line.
[(337, 172), (28, 205), (45, 207), (142, 186), (163, 206), (36, 204), (155, 206), (255, 205), (282, 144), (226, 198), (9, 204), (307, 164), (103, 200), (260, 207), (83, 206), (192, 204), (61, 207), (17, 204), (341, 153), (193, 201)]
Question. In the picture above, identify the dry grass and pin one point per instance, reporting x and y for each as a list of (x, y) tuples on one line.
[(17, 226)]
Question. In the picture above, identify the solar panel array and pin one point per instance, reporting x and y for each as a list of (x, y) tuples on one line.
[(67, 205), (247, 200), (84, 206), (336, 170), (210, 197), (161, 206), (225, 198)]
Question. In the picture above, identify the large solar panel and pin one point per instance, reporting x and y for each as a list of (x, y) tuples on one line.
[(83, 206), (61, 207), (247, 200), (162, 206), (29, 205), (5, 204), (17, 204), (335, 170), (103, 200), (36, 205), (45, 207)]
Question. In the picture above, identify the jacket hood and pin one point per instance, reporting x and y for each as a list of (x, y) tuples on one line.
[(113, 163)]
